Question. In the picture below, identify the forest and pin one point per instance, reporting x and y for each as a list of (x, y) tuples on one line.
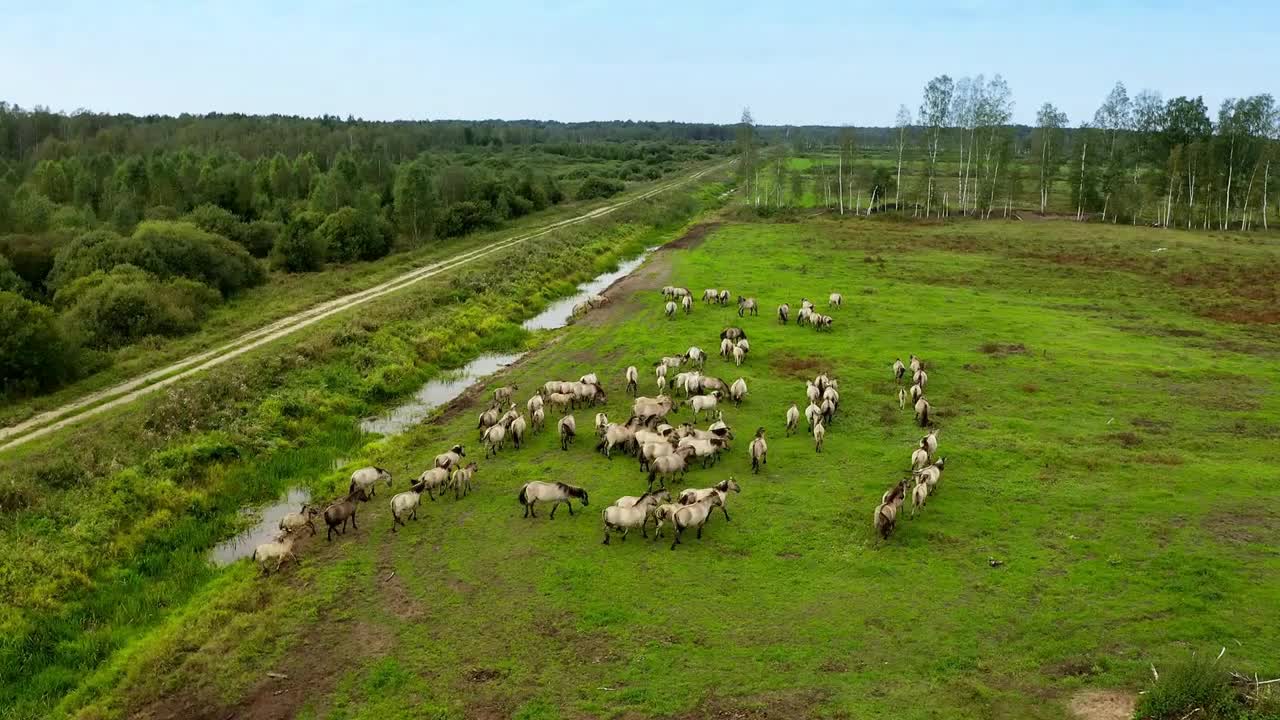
[(117, 228)]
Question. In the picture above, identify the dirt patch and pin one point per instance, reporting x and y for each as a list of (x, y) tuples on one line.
[(795, 366), (1158, 427), (1161, 458), (484, 675), (1103, 705), (692, 238), (1126, 439), (309, 670), (998, 349), (1244, 524)]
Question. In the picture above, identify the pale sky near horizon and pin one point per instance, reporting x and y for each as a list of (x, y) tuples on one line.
[(820, 62)]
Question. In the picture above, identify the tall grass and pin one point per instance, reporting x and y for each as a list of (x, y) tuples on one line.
[(1200, 687)]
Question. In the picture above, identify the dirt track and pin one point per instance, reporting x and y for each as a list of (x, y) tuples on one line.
[(98, 402)]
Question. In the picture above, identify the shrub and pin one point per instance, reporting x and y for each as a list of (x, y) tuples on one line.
[(214, 219), (349, 234), (160, 212), (111, 309), (11, 281), (72, 218), (1199, 682), (31, 256), (190, 252), (464, 217), (597, 187), (34, 352), (260, 236), (299, 247), (164, 249)]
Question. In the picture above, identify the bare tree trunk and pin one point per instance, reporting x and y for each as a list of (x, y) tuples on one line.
[(1266, 175), (1244, 216), (1080, 200), (1231, 163), (841, 171), (994, 177), (897, 190)]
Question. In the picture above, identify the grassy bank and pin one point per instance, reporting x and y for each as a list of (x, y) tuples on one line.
[(107, 527), (1108, 433)]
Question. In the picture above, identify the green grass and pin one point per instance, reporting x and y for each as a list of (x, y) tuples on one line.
[(1110, 439)]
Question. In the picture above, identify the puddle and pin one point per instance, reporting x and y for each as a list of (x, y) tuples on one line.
[(436, 393), (243, 544), (558, 313)]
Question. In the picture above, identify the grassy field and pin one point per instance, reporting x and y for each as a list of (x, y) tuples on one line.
[(1109, 416)]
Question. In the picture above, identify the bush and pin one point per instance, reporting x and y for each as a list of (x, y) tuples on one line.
[(31, 256), (164, 249), (160, 212), (260, 236), (11, 281), (211, 218), (1199, 682), (68, 217), (464, 217), (34, 352), (111, 309), (349, 234), (299, 248), (597, 187)]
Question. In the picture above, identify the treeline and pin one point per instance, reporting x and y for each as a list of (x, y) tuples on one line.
[(1140, 159), (116, 228)]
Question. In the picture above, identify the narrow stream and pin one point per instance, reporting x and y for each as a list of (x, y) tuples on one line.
[(243, 544), (558, 313), (436, 393)]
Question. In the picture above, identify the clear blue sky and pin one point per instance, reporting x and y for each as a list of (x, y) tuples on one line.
[(841, 62)]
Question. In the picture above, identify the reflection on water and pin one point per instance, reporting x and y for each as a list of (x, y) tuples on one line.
[(242, 545), (436, 393), (558, 313)]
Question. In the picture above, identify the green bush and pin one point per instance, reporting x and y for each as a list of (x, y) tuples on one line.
[(111, 309), (299, 247), (11, 281), (464, 217), (1201, 686), (31, 256), (597, 187), (34, 352), (214, 219), (260, 236), (164, 249), (349, 234)]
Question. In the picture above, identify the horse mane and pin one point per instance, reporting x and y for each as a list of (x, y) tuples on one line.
[(722, 486), (375, 467), (570, 490)]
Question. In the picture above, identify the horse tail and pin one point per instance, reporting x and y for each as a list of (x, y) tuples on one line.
[(524, 497)]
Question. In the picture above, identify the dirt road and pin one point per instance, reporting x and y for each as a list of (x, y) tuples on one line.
[(98, 402)]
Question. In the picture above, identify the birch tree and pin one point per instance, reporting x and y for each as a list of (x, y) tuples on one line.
[(747, 154), (935, 111), (1049, 123), (902, 123)]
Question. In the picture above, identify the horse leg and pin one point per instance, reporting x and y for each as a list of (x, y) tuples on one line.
[(700, 532), (676, 541), (354, 526), (554, 507), (570, 504), (725, 508)]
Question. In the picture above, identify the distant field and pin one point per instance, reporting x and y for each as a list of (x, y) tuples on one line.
[(1109, 416)]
